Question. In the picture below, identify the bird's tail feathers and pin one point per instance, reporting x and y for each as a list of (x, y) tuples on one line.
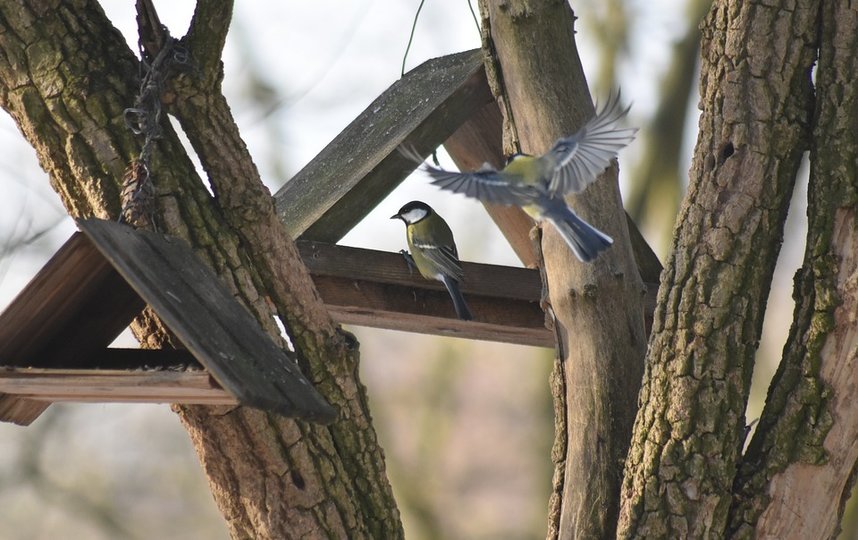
[(409, 152), (585, 240), (459, 304)]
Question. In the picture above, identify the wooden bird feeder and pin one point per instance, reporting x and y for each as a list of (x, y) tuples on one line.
[(54, 336)]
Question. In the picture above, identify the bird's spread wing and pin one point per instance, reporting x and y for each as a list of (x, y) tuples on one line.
[(582, 157), (486, 184), (444, 258)]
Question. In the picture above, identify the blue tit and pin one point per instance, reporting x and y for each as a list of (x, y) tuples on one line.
[(538, 184), (433, 250)]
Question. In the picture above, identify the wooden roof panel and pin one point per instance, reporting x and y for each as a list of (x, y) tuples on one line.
[(361, 166), (76, 305)]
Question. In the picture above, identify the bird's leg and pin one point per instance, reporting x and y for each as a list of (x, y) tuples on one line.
[(409, 260)]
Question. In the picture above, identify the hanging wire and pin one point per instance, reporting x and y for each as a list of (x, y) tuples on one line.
[(414, 27), (411, 37), (474, 15)]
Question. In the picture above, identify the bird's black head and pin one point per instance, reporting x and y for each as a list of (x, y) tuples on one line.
[(413, 212), (515, 156)]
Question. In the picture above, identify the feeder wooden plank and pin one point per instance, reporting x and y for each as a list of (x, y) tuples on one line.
[(359, 286), (19, 410), (75, 306), (425, 311), (375, 288), (106, 385), (386, 267)]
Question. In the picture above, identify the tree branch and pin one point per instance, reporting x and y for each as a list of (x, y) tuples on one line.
[(206, 38), (248, 207)]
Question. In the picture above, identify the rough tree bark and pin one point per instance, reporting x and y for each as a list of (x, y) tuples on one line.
[(66, 76), (756, 98), (808, 433), (598, 307)]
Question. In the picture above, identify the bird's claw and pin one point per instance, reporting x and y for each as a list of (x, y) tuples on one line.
[(409, 260)]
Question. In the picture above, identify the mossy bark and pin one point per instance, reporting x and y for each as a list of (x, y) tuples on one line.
[(807, 437), (756, 96), (598, 307), (66, 76)]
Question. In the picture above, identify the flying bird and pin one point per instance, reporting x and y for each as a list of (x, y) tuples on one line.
[(538, 183)]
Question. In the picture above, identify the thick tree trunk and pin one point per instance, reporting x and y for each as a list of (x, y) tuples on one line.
[(66, 76), (805, 450), (756, 99), (599, 306)]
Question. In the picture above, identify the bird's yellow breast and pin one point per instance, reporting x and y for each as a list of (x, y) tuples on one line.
[(527, 168), (416, 234)]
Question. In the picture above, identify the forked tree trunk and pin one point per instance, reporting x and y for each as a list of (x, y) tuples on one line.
[(66, 75), (799, 468), (756, 98)]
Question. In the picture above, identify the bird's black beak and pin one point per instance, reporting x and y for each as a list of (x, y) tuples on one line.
[(395, 216)]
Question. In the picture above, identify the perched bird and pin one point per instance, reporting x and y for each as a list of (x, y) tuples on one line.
[(538, 184), (433, 251)]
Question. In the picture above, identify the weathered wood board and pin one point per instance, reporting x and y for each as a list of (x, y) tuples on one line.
[(375, 288), (212, 325), (361, 166)]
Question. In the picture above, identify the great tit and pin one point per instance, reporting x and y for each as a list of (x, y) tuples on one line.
[(538, 184), (433, 250)]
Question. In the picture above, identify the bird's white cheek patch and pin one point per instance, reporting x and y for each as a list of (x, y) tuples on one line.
[(414, 215)]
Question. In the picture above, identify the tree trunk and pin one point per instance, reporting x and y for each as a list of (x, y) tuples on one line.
[(808, 434), (598, 307), (756, 99), (66, 76)]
